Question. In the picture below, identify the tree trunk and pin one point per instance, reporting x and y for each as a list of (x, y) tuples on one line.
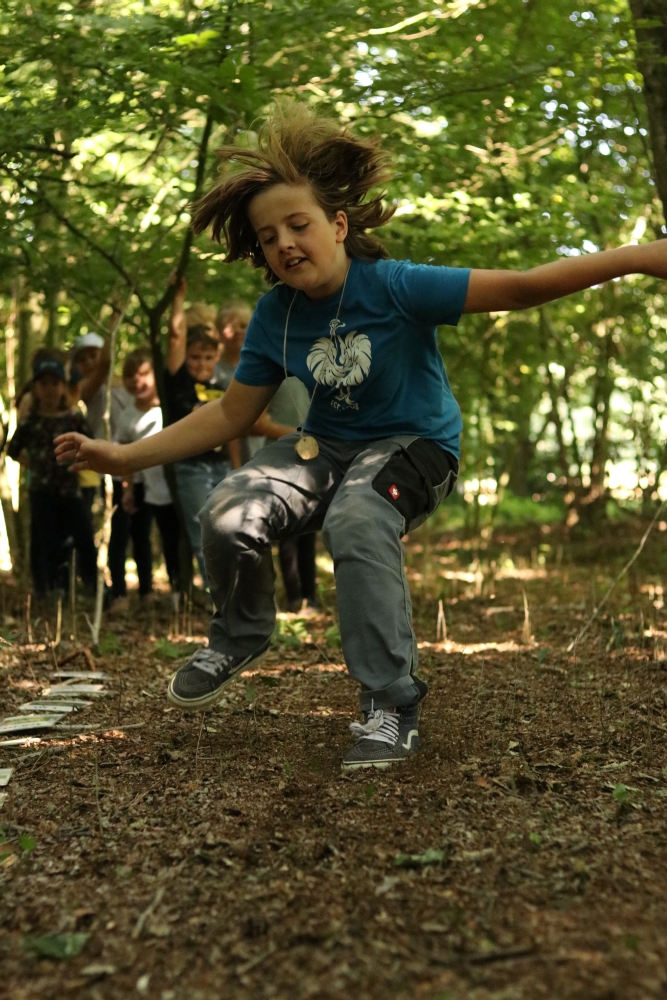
[(650, 22)]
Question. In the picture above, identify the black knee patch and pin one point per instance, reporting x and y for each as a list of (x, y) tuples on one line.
[(416, 480)]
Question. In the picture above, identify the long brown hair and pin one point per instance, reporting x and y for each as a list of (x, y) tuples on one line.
[(295, 145)]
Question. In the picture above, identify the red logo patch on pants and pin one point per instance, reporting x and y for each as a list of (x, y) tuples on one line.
[(394, 491)]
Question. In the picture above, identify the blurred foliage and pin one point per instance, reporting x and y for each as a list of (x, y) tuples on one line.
[(517, 130)]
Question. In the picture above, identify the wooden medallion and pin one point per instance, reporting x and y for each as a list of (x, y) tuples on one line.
[(307, 448)]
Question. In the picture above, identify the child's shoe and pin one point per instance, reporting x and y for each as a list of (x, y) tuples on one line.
[(199, 683), (387, 735)]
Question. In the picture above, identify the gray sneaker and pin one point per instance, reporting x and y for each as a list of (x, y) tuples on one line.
[(386, 736), (200, 682)]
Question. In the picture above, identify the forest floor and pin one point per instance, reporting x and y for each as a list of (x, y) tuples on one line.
[(225, 856)]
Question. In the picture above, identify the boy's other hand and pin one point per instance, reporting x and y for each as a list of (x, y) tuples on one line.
[(87, 453)]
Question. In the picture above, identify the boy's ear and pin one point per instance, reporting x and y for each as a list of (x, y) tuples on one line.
[(341, 226)]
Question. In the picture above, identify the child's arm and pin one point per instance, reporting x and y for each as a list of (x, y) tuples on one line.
[(267, 427), (16, 448), (206, 427), (234, 452), (178, 330), (89, 386), (25, 406), (500, 291)]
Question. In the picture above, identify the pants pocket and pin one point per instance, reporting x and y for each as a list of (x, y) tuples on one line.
[(416, 480)]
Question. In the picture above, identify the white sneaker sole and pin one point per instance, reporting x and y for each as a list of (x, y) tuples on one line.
[(206, 700)]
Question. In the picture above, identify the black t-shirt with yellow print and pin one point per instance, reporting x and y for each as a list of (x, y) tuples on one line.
[(185, 394)]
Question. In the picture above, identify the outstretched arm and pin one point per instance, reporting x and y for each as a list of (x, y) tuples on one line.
[(205, 428), (178, 331), (500, 291), (89, 385)]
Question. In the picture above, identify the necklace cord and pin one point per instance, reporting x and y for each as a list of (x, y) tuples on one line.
[(333, 326)]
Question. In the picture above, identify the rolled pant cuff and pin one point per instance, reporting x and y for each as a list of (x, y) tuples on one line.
[(405, 691)]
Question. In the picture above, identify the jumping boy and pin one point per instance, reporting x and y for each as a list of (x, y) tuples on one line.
[(380, 445)]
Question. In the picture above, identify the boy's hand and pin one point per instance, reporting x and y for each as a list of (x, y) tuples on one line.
[(88, 453)]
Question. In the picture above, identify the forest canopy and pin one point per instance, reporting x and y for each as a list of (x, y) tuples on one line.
[(518, 132)]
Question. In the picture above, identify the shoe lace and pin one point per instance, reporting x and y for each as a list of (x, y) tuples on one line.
[(208, 660), (381, 724)]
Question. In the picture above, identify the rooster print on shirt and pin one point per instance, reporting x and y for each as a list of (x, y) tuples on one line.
[(340, 361)]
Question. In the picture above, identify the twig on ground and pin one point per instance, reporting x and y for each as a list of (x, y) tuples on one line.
[(254, 962), (84, 651), (582, 632), (152, 906)]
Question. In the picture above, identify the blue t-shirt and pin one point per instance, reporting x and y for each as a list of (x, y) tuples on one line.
[(380, 373)]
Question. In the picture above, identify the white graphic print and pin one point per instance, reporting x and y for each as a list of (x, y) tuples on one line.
[(342, 362)]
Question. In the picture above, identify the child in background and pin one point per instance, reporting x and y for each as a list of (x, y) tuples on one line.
[(231, 324), (191, 379), (125, 526), (89, 482), (380, 447), (56, 508), (147, 497), (90, 355)]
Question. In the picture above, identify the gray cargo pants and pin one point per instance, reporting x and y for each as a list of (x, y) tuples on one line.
[(363, 496)]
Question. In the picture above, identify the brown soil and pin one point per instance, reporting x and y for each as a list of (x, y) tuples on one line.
[(226, 856)]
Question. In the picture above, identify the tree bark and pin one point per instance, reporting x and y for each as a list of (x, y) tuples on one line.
[(650, 23)]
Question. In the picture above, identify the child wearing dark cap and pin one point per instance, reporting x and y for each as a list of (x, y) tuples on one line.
[(56, 507)]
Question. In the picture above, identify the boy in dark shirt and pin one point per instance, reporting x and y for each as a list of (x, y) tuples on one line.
[(190, 381)]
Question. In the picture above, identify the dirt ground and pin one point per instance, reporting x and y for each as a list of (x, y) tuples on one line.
[(226, 856)]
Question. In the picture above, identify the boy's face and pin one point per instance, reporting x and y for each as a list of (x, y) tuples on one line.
[(302, 246), (142, 383), (233, 333), (200, 361), (86, 360)]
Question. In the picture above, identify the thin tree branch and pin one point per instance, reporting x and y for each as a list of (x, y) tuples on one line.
[(110, 259)]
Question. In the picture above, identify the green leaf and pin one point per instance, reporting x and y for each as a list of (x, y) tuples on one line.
[(332, 635), (57, 945), (620, 794), (193, 41), (27, 843), (429, 857), (535, 839), (250, 693), (290, 632), (110, 644)]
